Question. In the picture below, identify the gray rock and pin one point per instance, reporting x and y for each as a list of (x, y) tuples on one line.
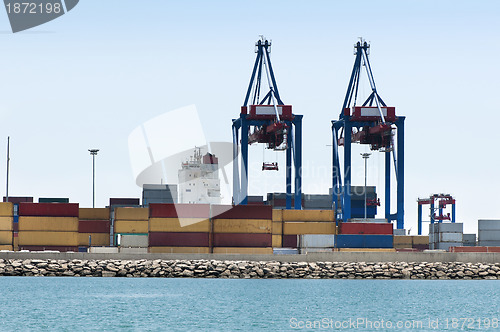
[(108, 274)]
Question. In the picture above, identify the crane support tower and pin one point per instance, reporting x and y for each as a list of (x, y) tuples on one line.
[(373, 123), (443, 200), (269, 121)]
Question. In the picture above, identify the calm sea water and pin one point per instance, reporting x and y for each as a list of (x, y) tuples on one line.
[(143, 304)]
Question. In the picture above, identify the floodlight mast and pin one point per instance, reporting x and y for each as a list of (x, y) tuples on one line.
[(93, 153)]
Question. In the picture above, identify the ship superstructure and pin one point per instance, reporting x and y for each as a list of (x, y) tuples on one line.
[(199, 181)]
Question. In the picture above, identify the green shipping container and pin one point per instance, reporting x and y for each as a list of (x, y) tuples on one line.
[(53, 200)]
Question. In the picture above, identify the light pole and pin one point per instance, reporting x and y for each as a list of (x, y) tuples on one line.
[(365, 156), (93, 153), (8, 163)]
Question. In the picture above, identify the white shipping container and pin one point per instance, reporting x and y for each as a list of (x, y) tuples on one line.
[(133, 241), (490, 224), (370, 220), (310, 250), (450, 237), (285, 251), (399, 231), (470, 238), (489, 243), (317, 241), (431, 238), (134, 250), (489, 235), (449, 227), (103, 250)]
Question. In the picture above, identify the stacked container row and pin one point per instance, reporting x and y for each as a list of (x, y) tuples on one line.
[(445, 235), (306, 230), (48, 226), (417, 242), (6, 226), (131, 226), (94, 227), (489, 233), (242, 229), (179, 228), (365, 235)]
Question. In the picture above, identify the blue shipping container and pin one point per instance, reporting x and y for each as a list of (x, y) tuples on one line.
[(16, 219), (360, 212), (363, 241)]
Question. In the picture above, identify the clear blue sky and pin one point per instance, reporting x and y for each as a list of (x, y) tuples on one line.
[(88, 78)]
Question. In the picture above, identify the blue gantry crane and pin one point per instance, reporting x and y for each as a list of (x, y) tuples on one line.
[(373, 123), (269, 121)]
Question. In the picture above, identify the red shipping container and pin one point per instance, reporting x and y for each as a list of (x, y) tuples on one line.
[(281, 203), (468, 249), (290, 241), (158, 210), (365, 228), (124, 201), (493, 249), (94, 226), (15, 227), (242, 240), (242, 212), (44, 248), (168, 239), (49, 209), (20, 199)]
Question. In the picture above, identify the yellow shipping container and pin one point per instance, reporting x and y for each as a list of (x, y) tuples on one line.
[(129, 213), (308, 215), (131, 226), (6, 237), (309, 228), (94, 214), (277, 240), (50, 224), (277, 215), (242, 226), (402, 246), (6, 209), (403, 240), (367, 249), (6, 247), (277, 227), (6, 223), (28, 238), (179, 225), (98, 239), (258, 251), (420, 239), (179, 250)]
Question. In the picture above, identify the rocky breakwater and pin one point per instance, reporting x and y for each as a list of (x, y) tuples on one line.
[(246, 269)]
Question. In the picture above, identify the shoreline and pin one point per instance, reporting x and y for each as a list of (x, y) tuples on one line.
[(243, 269)]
